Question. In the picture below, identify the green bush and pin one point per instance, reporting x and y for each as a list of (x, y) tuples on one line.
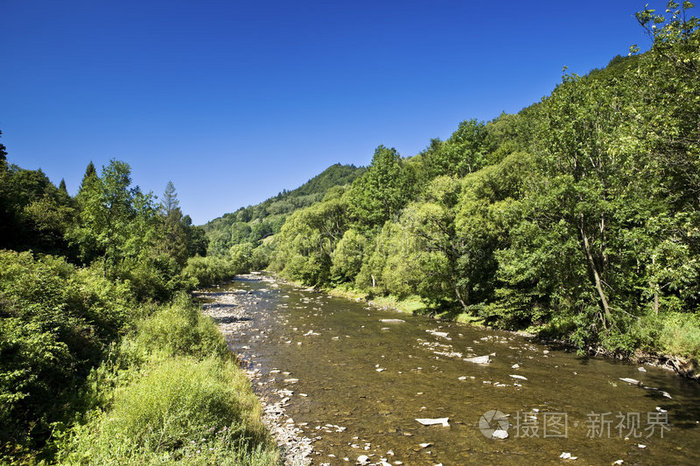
[(56, 322), (184, 410), (681, 335), (179, 329), (673, 333), (210, 270)]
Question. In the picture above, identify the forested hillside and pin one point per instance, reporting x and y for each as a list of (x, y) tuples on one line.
[(248, 226), (94, 318), (578, 217)]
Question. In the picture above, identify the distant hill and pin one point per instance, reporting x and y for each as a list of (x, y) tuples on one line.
[(253, 223)]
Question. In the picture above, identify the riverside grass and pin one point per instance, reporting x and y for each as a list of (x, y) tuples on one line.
[(171, 392)]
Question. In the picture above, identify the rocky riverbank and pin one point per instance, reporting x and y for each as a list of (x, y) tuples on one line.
[(228, 310)]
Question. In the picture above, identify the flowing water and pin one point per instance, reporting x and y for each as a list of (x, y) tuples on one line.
[(366, 381)]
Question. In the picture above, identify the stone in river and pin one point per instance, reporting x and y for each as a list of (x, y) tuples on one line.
[(631, 381), (431, 422), (479, 359)]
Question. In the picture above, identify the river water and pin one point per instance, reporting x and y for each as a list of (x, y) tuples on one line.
[(360, 381)]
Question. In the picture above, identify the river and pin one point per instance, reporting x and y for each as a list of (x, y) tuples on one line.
[(354, 379)]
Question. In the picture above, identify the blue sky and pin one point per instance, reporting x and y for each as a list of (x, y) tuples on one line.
[(234, 101)]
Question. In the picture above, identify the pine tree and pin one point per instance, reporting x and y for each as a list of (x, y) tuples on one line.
[(90, 173), (170, 202)]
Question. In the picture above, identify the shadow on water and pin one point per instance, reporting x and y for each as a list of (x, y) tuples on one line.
[(230, 319)]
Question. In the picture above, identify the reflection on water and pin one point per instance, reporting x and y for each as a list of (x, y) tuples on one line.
[(363, 379)]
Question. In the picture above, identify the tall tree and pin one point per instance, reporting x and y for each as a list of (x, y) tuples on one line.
[(170, 201), (381, 192), (174, 242), (105, 210)]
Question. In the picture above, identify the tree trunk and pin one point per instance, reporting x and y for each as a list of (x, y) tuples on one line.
[(596, 274), (656, 289), (459, 296)]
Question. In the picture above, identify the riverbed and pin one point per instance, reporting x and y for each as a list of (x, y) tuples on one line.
[(349, 380)]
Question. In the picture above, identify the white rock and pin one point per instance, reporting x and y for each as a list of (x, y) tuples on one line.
[(479, 360), (520, 377), (499, 434), (567, 456), (439, 334), (641, 369), (431, 422), (424, 445), (363, 459), (630, 381), (515, 366), (641, 446)]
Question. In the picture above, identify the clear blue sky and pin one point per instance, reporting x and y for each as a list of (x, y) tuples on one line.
[(234, 101)]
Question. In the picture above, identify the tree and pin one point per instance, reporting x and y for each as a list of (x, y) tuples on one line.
[(174, 240), (105, 210), (170, 201), (347, 257), (3, 155), (308, 239), (90, 173), (381, 192), (431, 221), (464, 152), (197, 240)]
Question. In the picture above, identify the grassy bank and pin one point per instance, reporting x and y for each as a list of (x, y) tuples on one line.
[(410, 305), (90, 374), (170, 392)]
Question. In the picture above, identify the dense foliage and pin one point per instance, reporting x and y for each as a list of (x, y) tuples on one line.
[(85, 290), (578, 217)]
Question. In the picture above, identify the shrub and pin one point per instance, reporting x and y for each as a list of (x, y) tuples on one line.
[(179, 329), (197, 412), (56, 322), (207, 271)]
